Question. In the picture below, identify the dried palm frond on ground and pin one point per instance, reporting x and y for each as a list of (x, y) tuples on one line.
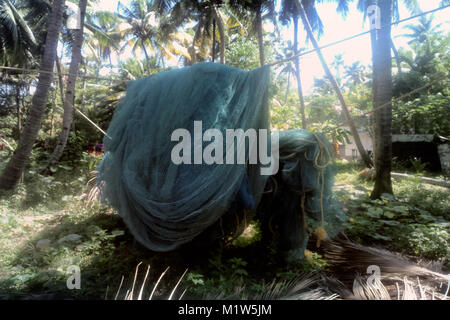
[(348, 261), (399, 279), (303, 287), (130, 294), (348, 258), (313, 287), (405, 289)]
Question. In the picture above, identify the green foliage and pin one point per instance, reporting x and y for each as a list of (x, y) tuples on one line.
[(418, 165), (401, 227), (243, 53), (333, 131), (423, 115), (195, 278), (76, 145), (428, 60), (283, 117), (417, 224)]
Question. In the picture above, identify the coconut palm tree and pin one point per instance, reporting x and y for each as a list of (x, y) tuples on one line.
[(210, 23), (288, 69), (16, 165), (337, 64), (304, 16), (143, 27), (382, 95), (70, 87), (290, 10), (102, 38), (208, 15), (382, 88), (255, 11), (423, 33), (355, 73)]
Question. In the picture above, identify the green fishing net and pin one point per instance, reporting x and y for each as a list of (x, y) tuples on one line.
[(166, 205)]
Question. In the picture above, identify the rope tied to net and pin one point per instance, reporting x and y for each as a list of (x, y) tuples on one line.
[(320, 163)]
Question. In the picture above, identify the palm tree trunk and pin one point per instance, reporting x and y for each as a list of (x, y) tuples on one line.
[(382, 94), (60, 79), (52, 121), (220, 27), (260, 35), (84, 85), (213, 47), (192, 53), (397, 56), (297, 75), (19, 111), (16, 165), (288, 87), (110, 70), (365, 157), (70, 90), (147, 58)]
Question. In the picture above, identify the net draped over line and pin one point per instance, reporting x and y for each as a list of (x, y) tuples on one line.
[(166, 205)]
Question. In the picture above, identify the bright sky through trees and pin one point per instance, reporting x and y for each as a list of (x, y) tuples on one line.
[(335, 28)]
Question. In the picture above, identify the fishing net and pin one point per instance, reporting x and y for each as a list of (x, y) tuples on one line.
[(165, 204), (299, 196)]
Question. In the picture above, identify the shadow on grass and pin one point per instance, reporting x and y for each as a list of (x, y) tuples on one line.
[(105, 255), (102, 259)]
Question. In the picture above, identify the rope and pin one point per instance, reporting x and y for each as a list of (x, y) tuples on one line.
[(25, 70), (92, 122), (7, 144), (320, 163)]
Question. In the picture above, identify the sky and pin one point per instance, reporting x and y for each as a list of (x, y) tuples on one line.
[(335, 28)]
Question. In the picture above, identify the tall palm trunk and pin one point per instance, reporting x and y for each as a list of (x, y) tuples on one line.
[(351, 124), (110, 70), (147, 58), (70, 90), (382, 94), (221, 29), (260, 35), (52, 121), (397, 57), (297, 75), (19, 111), (60, 78), (213, 47), (287, 87), (16, 165), (84, 85), (191, 49)]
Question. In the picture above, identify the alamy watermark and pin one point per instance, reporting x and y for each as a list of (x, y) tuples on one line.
[(375, 275), (74, 280), (235, 140)]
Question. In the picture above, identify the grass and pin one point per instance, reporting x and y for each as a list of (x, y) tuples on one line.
[(54, 207)]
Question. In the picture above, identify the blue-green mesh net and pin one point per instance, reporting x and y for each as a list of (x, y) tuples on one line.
[(166, 205)]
